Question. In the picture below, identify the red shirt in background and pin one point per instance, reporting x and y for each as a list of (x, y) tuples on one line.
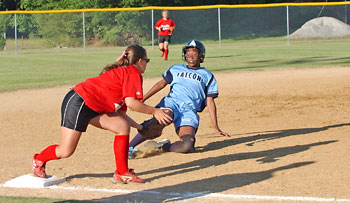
[(165, 26), (106, 93)]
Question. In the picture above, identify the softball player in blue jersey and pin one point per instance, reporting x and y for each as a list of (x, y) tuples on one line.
[(192, 89)]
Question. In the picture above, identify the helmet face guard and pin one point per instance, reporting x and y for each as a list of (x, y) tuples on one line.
[(194, 44)]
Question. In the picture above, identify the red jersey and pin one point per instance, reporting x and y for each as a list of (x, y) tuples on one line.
[(164, 25), (106, 93)]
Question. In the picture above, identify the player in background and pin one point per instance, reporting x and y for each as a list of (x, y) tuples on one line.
[(165, 26), (192, 89), (102, 101)]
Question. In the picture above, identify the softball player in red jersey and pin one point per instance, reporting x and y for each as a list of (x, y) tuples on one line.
[(165, 26), (102, 101)]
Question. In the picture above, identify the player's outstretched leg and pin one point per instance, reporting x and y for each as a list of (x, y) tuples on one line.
[(69, 142), (39, 160), (138, 139), (185, 145), (153, 130)]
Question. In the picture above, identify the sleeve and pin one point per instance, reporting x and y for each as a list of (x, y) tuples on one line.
[(212, 88), (168, 76), (172, 24), (157, 24), (132, 86)]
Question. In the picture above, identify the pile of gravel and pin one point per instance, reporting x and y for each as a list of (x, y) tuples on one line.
[(322, 27)]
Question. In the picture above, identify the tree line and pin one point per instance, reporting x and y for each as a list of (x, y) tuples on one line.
[(115, 28)]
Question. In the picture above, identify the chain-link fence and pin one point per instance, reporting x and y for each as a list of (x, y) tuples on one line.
[(120, 28)]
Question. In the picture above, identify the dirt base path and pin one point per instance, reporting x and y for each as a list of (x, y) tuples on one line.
[(290, 137)]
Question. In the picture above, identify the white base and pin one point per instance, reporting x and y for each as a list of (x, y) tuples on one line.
[(30, 181)]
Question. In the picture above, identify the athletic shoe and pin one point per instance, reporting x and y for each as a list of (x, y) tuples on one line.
[(161, 143), (165, 59), (128, 177), (131, 152), (38, 168), (161, 53), (131, 155)]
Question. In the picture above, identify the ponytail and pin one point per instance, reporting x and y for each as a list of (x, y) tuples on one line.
[(130, 56), (123, 60)]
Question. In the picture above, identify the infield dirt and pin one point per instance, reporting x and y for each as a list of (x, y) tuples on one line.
[(290, 136)]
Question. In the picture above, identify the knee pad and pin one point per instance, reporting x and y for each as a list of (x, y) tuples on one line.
[(188, 142)]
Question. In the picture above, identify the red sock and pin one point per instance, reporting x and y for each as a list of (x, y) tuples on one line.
[(166, 51), (48, 154), (121, 149)]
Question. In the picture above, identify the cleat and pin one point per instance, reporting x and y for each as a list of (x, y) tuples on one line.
[(39, 168), (131, 153), (128, 177), (161, 143)]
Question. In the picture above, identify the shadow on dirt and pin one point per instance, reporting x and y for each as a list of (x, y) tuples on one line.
[(267, 156), (90, 175), (217, 184), (203, 187), (264, 136), (200, 188)]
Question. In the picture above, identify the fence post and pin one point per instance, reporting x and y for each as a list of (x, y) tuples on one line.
[(219, 27), (346, 14), (287, 25), (5, 41), (16, 34), (152, 29), (84, 33)]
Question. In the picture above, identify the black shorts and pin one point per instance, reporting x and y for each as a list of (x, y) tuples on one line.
[(162, 39), (75, 114)]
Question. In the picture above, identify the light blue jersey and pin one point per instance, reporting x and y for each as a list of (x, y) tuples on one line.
[(188, 93)]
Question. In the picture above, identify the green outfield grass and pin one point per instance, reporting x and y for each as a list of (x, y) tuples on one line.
[(38, 68)]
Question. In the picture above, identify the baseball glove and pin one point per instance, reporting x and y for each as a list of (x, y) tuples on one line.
[(151, 129), (171, 29)]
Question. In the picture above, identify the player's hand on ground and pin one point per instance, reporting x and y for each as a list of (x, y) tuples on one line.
[(219, 131), (162, 117)]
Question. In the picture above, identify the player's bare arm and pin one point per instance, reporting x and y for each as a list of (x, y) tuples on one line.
[(131, 121), (213, 116), (156, 88), (138, 106)]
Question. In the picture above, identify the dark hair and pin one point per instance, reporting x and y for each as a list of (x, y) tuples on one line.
[(130, 56)]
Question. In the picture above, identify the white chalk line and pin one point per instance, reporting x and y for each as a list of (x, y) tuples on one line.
[(203, 195)]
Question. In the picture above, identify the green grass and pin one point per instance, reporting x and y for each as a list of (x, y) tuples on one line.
[(26, 44), (38, 68)]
